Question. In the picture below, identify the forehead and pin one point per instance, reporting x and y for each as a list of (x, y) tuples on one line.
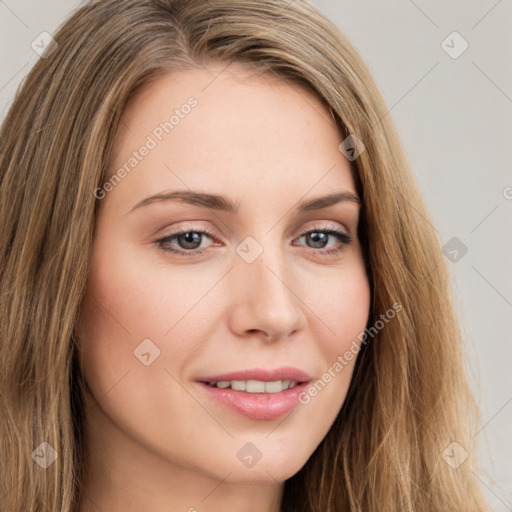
[(222, 128)]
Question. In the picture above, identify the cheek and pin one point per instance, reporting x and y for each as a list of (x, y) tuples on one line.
[(127, 303), (128, 300), (341, 308), (340, 313)]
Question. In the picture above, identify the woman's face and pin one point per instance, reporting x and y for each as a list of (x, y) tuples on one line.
[(258, 285)]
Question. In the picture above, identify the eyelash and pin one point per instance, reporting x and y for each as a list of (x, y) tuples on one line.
[(342, 236)]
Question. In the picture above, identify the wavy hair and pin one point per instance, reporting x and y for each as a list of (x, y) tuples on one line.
[(409, 396)]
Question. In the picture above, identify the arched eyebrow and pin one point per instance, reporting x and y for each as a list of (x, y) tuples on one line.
[(223, 203)]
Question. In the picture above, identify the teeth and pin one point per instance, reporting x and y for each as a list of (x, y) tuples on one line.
[(238, 385), (273, 387), (255, 386)]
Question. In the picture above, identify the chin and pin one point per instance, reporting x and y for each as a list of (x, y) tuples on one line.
[(275, 464), (264, 474)]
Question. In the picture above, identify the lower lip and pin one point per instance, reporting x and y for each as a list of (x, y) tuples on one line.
[(258, 406)]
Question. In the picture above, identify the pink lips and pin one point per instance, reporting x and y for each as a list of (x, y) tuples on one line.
[(258, 406)]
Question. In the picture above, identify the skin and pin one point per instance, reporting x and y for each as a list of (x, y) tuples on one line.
[(155, 440)]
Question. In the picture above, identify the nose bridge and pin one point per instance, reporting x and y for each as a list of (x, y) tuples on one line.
[(265, 299)]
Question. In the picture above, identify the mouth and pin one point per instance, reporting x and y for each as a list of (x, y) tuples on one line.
[(257, 394)]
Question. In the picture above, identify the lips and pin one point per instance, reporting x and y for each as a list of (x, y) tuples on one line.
[(258, 394)]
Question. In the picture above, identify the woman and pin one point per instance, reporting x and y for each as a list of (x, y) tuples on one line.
[(220, 285)]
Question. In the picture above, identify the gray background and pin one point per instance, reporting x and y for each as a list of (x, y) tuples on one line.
[(454, 117)]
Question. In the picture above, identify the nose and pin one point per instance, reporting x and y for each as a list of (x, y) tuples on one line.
[(264, 301)]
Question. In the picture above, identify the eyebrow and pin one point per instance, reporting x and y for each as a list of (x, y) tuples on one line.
[(223, 203)]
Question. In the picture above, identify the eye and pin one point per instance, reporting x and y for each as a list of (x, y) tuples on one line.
[(319, 237), (189, 241)]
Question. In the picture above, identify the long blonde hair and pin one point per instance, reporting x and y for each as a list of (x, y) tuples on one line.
[(409, 398)]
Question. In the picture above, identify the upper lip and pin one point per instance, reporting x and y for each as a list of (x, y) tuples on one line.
[(265, 375)]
